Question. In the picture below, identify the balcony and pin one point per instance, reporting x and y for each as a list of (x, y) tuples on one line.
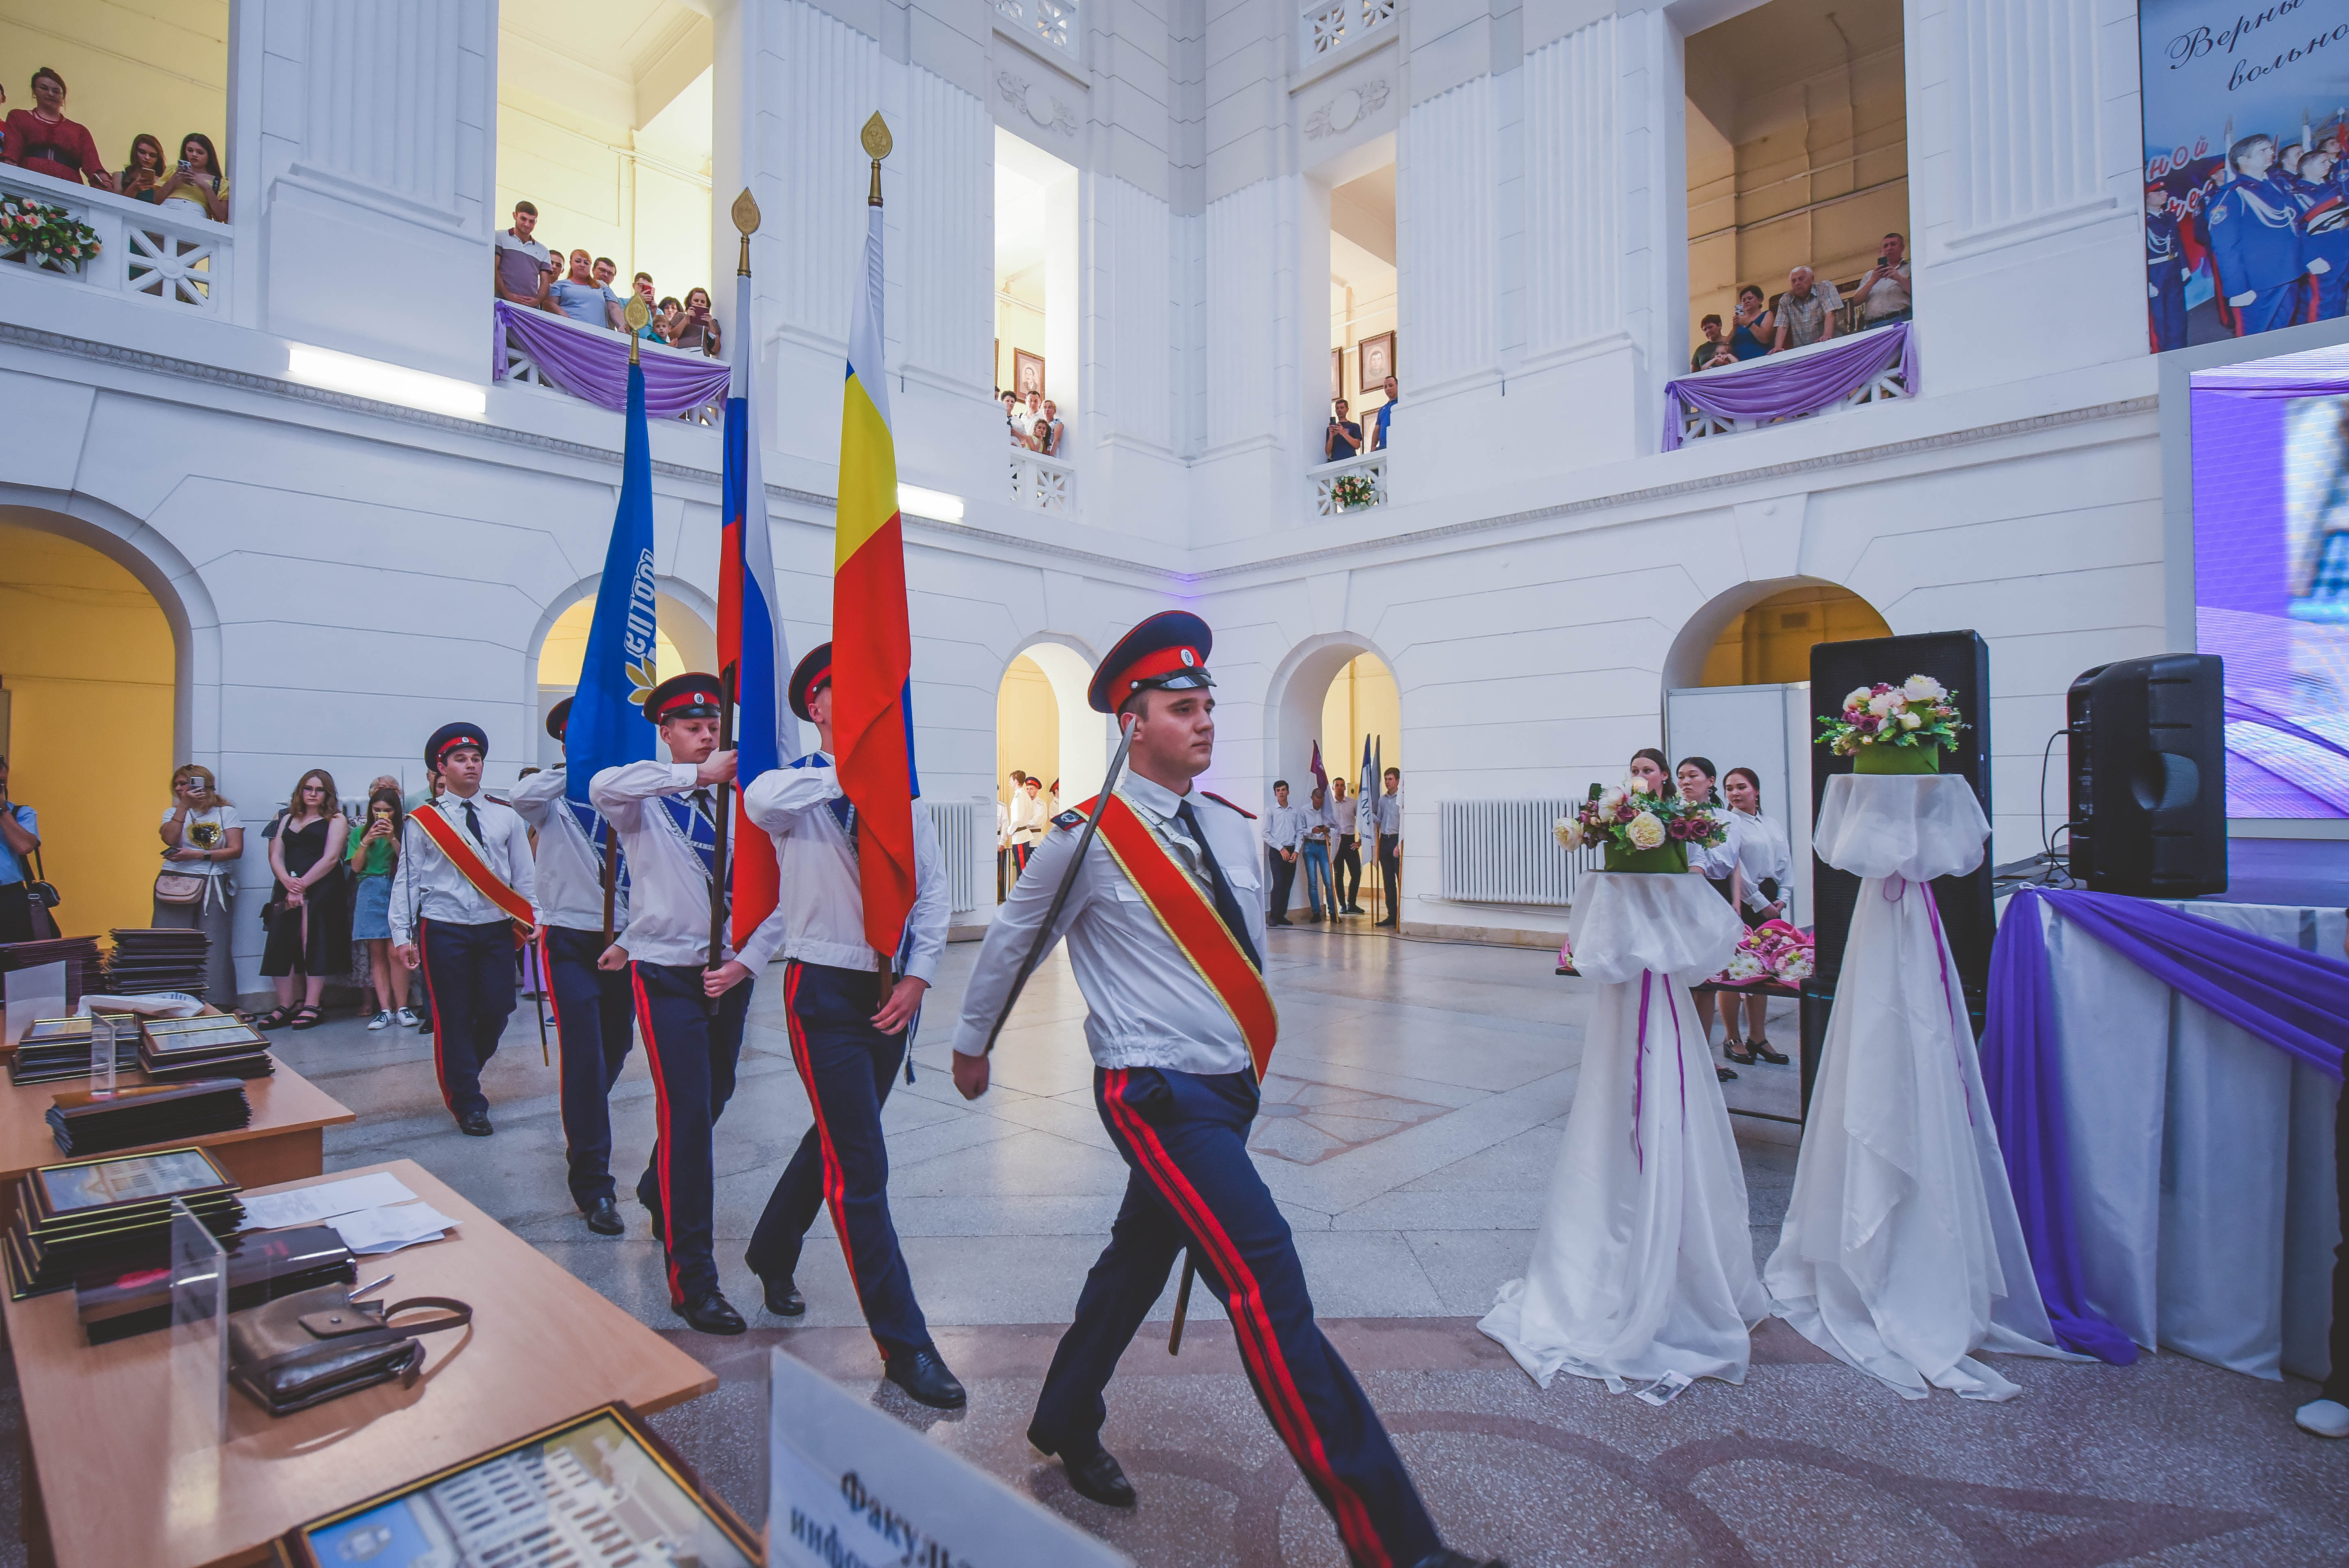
[(171, 255), (570, 359), (1873, 367), (1051, 22), (1039, 483), (1325, 28), (1349, 484)]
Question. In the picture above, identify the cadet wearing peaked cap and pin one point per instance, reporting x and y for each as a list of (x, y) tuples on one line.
[(593, 1008), (1181, 1028)]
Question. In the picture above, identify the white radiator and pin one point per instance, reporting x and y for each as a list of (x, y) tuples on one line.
[(969, 853), (1503, 851)]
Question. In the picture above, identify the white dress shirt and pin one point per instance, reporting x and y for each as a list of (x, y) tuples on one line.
[(822, 904), (1317, 828), (1147, 1006), (1763, 851), (1030, 820), (570, 869), (1342, 814), (1284, 827), (1390, 814), (668, 887), (1719, 861), (427, 885)]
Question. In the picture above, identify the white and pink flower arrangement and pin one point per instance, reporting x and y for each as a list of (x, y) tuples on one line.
[(1919, 715), (36, 230), (1627, 819), (1773, 952)]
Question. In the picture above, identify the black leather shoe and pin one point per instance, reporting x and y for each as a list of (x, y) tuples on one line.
[(1388, 925), (1768, 1052), (711, 1313), (1726, 1075), (604, 1218), (1095, 1474), (475, 1124), (1447, 1558), (783, 1298), (925, 1380), (1280, 923)]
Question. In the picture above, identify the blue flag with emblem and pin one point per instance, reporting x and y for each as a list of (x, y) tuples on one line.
[(608, 726)]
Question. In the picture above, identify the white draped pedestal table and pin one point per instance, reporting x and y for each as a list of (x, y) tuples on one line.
[(1644, 1263), (1902, 1253)]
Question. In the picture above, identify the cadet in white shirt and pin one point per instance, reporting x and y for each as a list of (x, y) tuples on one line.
[(1031, 818), (1180, 1034), (848, 1041), (459, 906), (667, 818), (1388, 810), (1346, 860), (1284, 835), (595, 1021)]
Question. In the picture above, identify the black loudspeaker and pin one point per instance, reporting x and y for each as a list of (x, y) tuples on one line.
[(1959, 661), (2148, 797)]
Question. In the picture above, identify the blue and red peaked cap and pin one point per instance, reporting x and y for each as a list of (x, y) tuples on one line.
[(558, 718), (450, 736), (1166, 652), (814, 671), (689, 696)]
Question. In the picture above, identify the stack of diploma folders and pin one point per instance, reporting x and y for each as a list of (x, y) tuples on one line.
[(206, 1047), (98, 1121), (55, 1048), (93, 1218)]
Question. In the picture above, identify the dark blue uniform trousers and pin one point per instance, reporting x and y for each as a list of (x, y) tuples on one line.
[(595, 1025), (847, 1067), (469, 989), (1185, 1137), (693, 1057)]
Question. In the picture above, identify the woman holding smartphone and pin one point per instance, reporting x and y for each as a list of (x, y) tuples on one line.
[(374, 856), (200, 182), (695, 327), (202, 838)]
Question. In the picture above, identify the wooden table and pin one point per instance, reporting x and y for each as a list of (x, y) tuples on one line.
[(542, 1347), (282, 1142)]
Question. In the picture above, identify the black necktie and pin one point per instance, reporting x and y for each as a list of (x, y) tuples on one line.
[(702, 805), (473, 822), (1226, 904)]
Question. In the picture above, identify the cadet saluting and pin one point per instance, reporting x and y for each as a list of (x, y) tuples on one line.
[(461, 890), (665, 817), (847, 1041), (1165, 931)]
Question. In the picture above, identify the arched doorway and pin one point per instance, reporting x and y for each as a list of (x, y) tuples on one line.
[(1044, 727), (1338, 692), (683, 641), (89, 683)]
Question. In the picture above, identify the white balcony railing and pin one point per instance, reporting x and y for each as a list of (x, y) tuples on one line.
[(1043, 484), (1329, 27), (523, 370), (1053, 21), (171, 254), (1885, 381), (1350, 484)]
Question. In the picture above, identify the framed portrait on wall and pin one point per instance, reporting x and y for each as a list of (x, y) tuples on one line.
[(1026, 373), (999, 365), (1378, 361)]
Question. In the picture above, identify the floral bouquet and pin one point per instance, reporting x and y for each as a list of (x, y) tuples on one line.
[(1640, 831), (37, 231), (1774, 953), (1894, 729), (1353, 490)]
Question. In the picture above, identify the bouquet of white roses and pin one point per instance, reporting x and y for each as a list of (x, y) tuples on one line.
[(1773, 951), (1919, 712), (1628, 819)]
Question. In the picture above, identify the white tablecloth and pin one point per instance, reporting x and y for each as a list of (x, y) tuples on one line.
[(1902, 1253), (1644, 1263), (2202, 1175)]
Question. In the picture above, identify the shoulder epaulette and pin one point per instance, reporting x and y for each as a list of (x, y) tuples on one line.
[(1069, 819), (497, 799), (1219, 801)]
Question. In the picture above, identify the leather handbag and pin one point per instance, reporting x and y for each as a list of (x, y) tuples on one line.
[(179, 887), (318, 1345), (41, 896)]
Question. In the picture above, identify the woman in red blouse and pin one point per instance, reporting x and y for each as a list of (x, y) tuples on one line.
[(42, 139)]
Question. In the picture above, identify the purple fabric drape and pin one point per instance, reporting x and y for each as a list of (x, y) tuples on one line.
[(2296, 1001), (1777, 388), (594, 366)]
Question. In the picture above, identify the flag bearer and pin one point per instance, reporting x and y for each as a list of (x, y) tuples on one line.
[(848, 1040), (1166, 930), (666, 815)]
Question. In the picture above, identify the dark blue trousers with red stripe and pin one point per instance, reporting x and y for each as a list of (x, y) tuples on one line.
[(594, 1023), (693, 1057), (847, 1067), (1185, 1138), (469, 989)]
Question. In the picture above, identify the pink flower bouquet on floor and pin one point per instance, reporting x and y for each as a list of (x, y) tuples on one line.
[(1773, 952)]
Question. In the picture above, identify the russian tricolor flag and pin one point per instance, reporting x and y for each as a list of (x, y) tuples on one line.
[(750, 641)]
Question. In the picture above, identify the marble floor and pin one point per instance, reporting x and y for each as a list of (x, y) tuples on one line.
[(1411, 1120)]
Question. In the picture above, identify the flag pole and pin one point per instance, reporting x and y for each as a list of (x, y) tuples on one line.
[(745, 214), (635, 313)]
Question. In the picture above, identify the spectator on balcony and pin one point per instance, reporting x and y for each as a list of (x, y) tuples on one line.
[(650, 332), (1702, 359), (523, 267), (201, 181), (1714, 356), (1884, 292), (581, 298), (1750, 338), (1031, 416), (1386, 417), (694, 327), (1011, 418), (1806, 311), (141, 179), (1048, 431), (1343, 438), (42, 139)]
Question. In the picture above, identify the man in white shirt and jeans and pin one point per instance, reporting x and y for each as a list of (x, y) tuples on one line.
[(1284, 836)]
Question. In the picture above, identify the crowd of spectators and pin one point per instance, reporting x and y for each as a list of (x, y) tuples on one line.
[(1035, 426), (532, 275), (1811, 310), (42, 139)]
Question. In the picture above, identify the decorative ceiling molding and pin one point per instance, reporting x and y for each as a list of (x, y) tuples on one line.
[(1347, 109), (1038, 102)]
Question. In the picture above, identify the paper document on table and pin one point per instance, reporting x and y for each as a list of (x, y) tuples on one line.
[(313, 1206), (374, 1231)]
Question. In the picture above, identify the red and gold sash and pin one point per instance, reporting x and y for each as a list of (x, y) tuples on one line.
[(1189, 916), (469, 864)]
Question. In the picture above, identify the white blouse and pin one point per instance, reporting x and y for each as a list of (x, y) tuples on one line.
[(1763, 851)]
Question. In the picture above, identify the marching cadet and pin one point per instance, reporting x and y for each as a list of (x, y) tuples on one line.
[(1166, 931), (594, 1016), (667, 818), (460, 902), (848, 1040)]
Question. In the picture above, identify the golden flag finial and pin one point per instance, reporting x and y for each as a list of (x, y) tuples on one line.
[(635, 313), (745, 222), (877, 143)]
